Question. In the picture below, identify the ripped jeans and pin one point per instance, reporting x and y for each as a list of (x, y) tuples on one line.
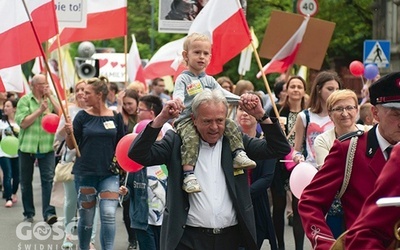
[(93, 189)]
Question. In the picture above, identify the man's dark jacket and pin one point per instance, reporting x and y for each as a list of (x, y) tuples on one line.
[(147, 151)]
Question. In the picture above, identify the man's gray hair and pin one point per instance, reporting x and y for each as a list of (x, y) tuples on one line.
[(37, 78), (208, 96)]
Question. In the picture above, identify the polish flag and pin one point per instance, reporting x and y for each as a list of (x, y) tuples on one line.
[(44, 18), (17, 36), (39, 68), (12, 79), (286, 56), (166, 61), (224, 22), (105, 19), (134, 64), (245, 56)]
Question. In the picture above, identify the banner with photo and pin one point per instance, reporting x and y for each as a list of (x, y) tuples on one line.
[(176, 16)]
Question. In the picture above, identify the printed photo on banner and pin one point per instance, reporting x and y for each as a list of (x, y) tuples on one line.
[(176, 16)]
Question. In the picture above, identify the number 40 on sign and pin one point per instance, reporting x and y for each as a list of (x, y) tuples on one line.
[(307, 7)]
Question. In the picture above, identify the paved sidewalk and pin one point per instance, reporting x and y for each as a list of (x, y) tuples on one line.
[(38, 236)]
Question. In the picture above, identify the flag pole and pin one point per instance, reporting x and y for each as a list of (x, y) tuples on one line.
[(126, 59), (60, 67), (60, 63), (265, 80), (287, 76), (261, 69), (48, 70)]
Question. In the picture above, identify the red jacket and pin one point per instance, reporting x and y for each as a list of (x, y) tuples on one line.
[(373, 229), (319, 194)]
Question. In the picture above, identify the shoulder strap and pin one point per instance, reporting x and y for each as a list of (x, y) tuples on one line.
[(349, 165), (12, 129), (307, 113), (350, 135)]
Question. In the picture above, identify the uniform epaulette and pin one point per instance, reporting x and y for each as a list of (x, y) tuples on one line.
[(351, 134)]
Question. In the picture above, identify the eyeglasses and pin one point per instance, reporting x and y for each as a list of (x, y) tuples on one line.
[(342, 109)]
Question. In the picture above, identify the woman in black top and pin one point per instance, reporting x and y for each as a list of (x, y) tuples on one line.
[(97, 131)]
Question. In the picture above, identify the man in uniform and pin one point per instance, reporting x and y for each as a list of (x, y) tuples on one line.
[(370, 157), (374, 227)]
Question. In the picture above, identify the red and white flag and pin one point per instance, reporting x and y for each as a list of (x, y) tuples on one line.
[(166, 61), (245, 56), (39, 67), (287, 54), (224, 22), (17, 36), (105, 19), (134, 64)]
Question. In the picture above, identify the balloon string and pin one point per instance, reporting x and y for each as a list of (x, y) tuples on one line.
[(362, 80)]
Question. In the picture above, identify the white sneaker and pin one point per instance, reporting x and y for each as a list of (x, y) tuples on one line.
[(190, 184), (9, 203), (241, 161)]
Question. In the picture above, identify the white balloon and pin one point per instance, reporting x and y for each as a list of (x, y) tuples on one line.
[(300, 177)]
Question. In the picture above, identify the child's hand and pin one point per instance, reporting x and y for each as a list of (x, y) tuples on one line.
[(123, 190)]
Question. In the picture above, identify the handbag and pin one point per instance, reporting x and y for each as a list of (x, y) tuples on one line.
[(63, 172), (63, 169)]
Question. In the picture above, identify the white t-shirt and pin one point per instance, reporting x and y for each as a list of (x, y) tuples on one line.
[(316, 126), (156, 190)]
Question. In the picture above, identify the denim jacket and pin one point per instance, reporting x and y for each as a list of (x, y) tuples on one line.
[(139, 208)]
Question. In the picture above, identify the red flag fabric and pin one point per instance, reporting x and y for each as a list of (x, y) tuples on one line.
[(286, 56), (224, 22), (2, 87), (44, 18), (105, 19), (17, 37)]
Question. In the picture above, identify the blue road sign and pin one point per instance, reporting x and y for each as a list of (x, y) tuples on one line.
[(377, 52)]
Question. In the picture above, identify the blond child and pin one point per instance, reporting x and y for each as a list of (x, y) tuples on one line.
[(197, 54)]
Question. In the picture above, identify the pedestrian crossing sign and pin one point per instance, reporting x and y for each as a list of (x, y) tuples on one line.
[(377, 52)]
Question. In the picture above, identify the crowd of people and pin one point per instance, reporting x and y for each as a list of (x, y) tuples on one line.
[(218, 150)]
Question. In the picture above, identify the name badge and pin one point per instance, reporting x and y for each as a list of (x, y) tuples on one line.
[(109, 125), (194, 87), (238, 172)]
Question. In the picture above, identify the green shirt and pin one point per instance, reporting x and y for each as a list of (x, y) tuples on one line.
[(33, 139)]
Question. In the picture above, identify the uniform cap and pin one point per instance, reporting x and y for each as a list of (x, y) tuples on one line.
[(386, 91)]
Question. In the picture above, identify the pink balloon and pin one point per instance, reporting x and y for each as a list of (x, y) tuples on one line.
[(50, 123), (356, 68), (141, 125), (121, 153), (300, 177)]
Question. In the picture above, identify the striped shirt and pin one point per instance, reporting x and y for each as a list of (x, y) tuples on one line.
[(33, 139)]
